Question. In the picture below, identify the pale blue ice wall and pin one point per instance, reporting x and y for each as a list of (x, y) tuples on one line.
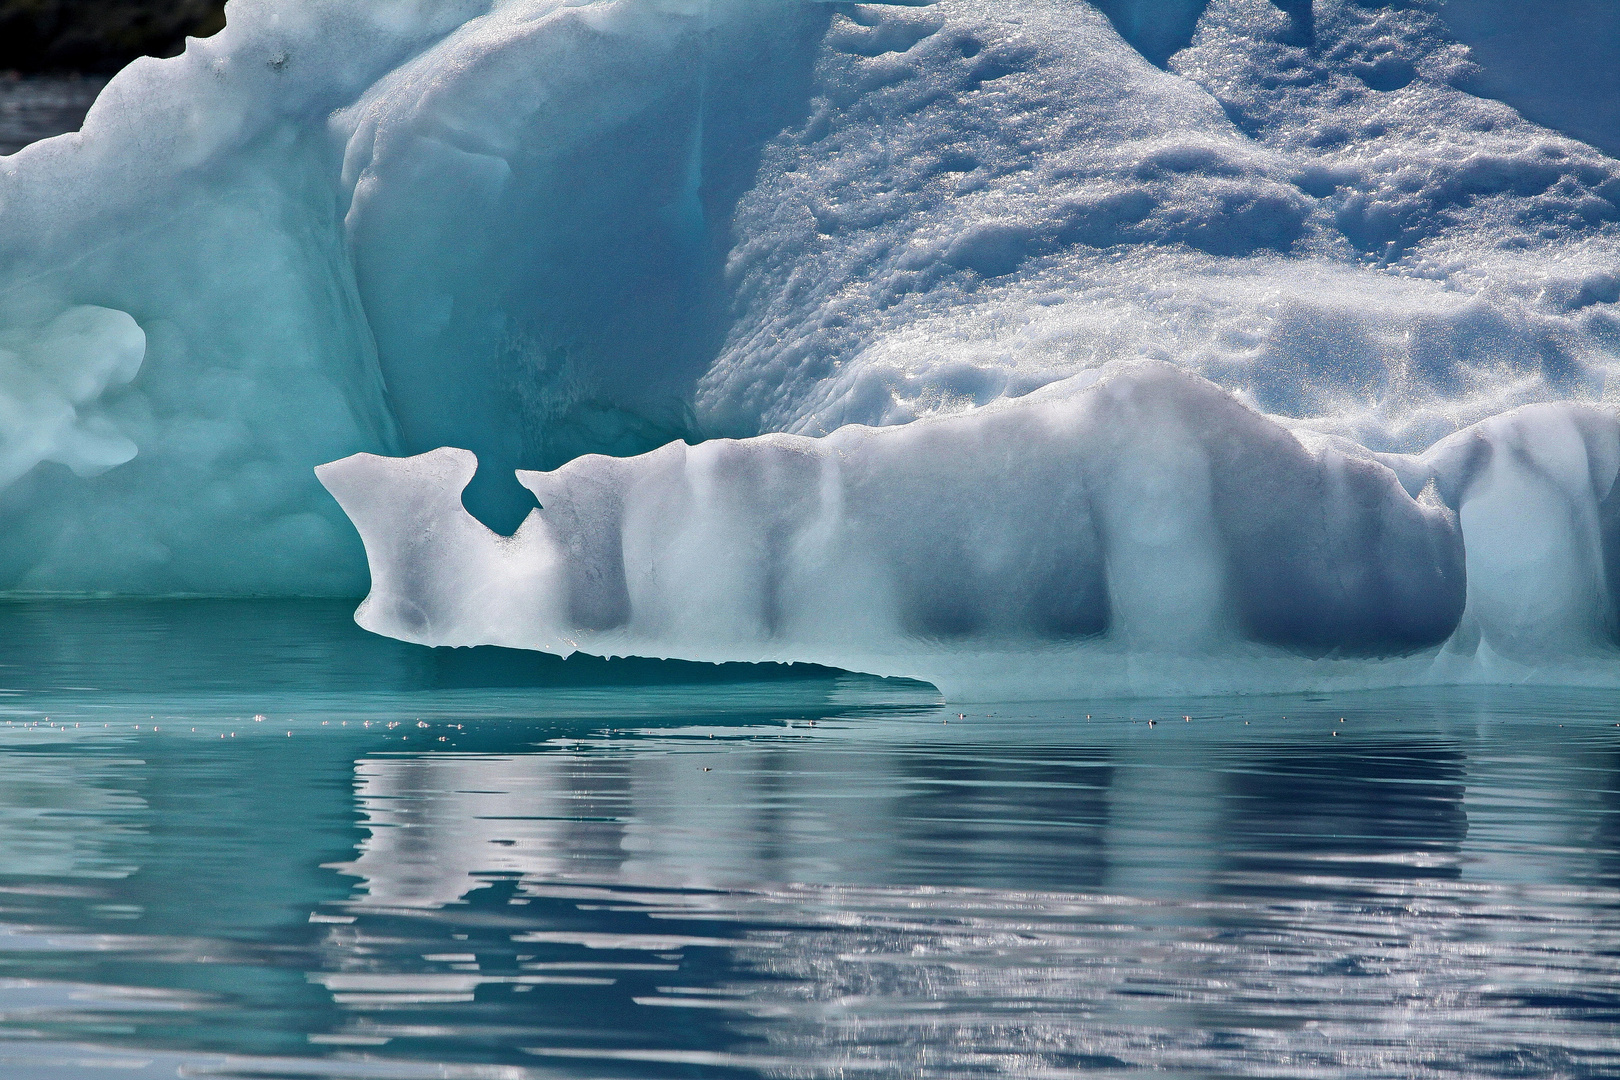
[(544, 228), (540, 215)]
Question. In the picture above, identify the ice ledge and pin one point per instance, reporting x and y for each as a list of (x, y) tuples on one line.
[(1133, 530)]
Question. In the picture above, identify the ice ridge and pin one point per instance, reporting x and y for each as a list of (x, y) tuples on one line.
[(1132, 530)]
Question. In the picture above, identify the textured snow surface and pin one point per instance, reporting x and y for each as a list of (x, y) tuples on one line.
[(538, 229)]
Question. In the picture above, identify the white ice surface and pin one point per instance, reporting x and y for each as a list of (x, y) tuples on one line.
[(1133, 530)]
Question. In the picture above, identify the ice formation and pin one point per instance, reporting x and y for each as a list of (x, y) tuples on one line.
[(541, 229)]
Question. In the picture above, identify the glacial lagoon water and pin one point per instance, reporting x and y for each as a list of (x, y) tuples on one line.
[(245, 839)]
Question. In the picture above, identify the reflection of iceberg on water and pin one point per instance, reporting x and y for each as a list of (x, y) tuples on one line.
[(1128, 530)]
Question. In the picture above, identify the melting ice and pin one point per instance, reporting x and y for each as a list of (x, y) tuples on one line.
[(1021, 342)]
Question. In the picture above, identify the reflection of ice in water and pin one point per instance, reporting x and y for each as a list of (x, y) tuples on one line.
[(1388, 963), (435, 822), (905, 898), (62, 815), (1124, 816)]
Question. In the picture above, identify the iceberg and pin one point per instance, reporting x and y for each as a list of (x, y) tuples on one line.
[(1017, 342)]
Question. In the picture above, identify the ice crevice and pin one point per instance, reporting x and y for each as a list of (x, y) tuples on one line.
[(1132, 530)]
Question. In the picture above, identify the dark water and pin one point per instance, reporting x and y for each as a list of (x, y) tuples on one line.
[(249, 840), (37, 107)]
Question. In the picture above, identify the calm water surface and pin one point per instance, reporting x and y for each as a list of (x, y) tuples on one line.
[(246, 839), (37, 107)]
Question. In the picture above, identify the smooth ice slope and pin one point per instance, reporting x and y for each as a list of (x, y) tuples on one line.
[(538, 229), (1133, 530)]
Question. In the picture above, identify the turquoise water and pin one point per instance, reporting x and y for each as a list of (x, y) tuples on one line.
[(246, 839)]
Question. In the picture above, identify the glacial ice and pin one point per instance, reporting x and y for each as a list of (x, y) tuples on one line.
[(546, 229)]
